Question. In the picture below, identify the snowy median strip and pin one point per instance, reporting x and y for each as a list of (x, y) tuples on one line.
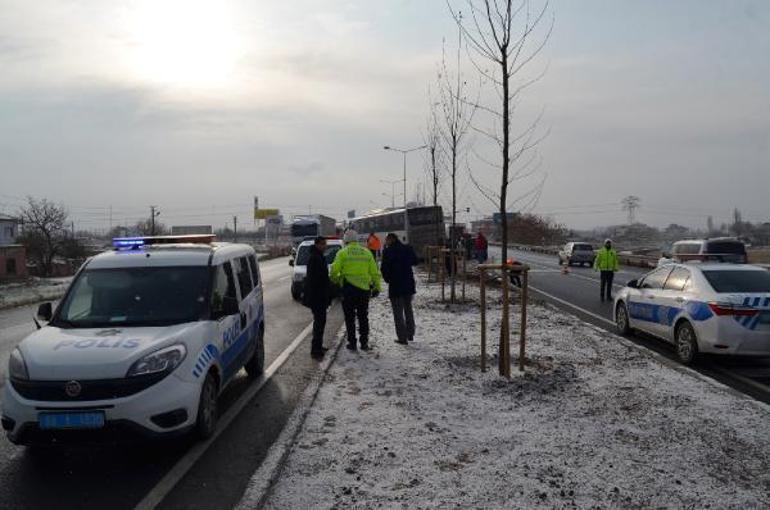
[(591, 422)]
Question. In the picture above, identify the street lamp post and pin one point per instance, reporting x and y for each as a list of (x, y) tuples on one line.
[(392, 191), (404, 152)]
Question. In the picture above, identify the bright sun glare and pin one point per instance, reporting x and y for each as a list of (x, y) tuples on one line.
[(184, 43)]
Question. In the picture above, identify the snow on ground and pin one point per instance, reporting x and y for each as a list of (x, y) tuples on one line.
[(32, 291), (592, 422)]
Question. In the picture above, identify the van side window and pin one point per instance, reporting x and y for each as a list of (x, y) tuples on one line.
[(223, 286), (242, 274), (254, 269)]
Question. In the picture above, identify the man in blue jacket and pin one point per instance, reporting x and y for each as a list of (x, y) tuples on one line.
[(397, 262)]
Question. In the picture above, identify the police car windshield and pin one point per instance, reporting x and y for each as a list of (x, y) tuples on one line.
[(739, 281), (146, 296)]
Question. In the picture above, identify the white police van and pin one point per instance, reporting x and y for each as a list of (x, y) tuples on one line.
[(145, 339)]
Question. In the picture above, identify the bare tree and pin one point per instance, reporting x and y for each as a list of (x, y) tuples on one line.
[(507, 35), (455, 116), (44, 224), (432, 141)]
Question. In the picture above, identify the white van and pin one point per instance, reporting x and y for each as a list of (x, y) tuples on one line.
[(145, 339), (301, 259)]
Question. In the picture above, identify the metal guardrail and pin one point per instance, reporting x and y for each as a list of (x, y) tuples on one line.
[(625, 259)]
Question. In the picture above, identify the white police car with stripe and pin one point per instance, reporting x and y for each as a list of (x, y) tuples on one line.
[(700, 308), (145, 339)]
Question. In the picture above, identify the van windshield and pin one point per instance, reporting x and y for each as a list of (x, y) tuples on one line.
[(136, 296), (583, 247), (303, 254)]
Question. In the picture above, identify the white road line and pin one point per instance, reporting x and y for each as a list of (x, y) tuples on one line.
[(176, 473), (576, 307), (745, 380)]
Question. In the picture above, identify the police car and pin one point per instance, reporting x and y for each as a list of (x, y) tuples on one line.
[(145, 339), (301, 258), (711, 308)]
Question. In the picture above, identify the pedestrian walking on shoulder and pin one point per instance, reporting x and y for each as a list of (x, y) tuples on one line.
[(606, 262), (397, 262), (355, 270), (374, 244), (317, 294)]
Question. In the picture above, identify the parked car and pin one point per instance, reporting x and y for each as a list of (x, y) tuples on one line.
[(721, 249), (700, 308), (144, 341), (577, 253)]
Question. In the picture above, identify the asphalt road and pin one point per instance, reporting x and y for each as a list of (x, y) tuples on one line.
[(120, 476), (578, 293)]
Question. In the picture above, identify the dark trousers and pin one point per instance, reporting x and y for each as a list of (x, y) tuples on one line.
[(319, 325), (606, 284), (355, 305), (403, 316)]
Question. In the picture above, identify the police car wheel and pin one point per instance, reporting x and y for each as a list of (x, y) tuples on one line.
[(256, 365), (206, 423), (686, 343), (621, 319)]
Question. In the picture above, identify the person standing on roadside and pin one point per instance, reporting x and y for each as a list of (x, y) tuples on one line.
[(606, 262), (481, 248), (355, 270), (317, 294), (374, 244), (397, 262)]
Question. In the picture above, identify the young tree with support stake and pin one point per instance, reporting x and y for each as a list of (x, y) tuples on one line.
[(505, 36)]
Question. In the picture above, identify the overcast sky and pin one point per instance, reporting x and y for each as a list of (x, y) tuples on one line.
[(198, 105)]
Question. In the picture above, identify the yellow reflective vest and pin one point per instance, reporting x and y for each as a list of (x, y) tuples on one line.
[(606, 260), (355, 265)]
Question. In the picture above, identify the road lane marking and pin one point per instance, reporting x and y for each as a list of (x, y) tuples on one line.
[(183, 466), (571, 305)]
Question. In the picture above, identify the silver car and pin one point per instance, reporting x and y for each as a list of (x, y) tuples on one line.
[(577, 253)]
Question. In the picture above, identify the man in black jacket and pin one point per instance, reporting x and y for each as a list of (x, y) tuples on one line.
[(317, 294), (397, 262)]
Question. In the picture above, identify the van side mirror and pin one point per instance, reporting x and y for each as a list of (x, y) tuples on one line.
[(45, 312), (634, 284)]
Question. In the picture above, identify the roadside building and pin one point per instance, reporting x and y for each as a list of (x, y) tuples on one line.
[(13, 259)]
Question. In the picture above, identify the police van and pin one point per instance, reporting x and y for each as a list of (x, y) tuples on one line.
[(145, 340)]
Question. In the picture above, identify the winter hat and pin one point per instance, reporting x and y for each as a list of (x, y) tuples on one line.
[(350, 235)]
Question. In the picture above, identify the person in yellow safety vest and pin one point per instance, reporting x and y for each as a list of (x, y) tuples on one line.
[(355, 270), (606, 262)]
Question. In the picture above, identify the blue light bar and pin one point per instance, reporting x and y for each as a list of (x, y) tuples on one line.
[(128, 243), (134, 243)]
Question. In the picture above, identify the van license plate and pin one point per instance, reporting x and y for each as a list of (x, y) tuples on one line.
[(73, 420)]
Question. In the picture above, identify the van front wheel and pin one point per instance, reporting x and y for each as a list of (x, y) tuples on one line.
[(208, 411)]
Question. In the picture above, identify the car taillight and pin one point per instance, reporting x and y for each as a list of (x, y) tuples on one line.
[(721, 309)]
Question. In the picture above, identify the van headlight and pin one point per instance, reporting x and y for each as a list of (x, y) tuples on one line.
[(17, 368), (162, 360)]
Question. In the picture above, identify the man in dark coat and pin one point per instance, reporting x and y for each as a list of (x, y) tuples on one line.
[(397, 262), (317, 294)]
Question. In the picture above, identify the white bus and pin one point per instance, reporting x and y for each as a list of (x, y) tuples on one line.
[(417, 226)]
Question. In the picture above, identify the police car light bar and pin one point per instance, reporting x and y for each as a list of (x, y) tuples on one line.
[(134, 243)]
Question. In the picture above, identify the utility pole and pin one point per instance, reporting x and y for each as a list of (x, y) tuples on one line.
[(235, 229), (153, 214)]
